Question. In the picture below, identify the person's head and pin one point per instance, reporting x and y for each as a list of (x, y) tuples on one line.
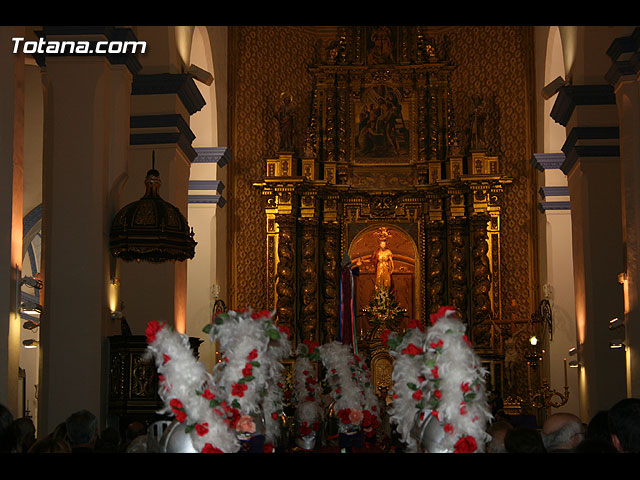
[(7, 433), (134, 430), (498, 431), (82, 427), (624, 425), (50, 444), (598, 428), (25, 432), (562, 431), (523, 440)]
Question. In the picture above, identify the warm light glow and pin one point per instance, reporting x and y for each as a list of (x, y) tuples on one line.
[(183, 43), (569, 35), (533, 340), (113, 295)]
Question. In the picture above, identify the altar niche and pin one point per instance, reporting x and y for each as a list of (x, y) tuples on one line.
[(386, 256)]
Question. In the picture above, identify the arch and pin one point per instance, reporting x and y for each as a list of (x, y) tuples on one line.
[(554, 66), (207, 272), (406, 263)]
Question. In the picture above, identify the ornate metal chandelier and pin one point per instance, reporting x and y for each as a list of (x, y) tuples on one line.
[(151, 229)]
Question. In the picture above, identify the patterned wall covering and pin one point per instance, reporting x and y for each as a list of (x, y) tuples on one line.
[(495, 62)]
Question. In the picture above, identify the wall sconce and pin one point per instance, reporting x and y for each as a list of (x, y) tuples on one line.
[(622, 277), (574, 364), (31, 308), (615, 323), (31, 282), (199, 74), (31, 343), (616, 344), (554, 87), (573, 351), (31, 324)]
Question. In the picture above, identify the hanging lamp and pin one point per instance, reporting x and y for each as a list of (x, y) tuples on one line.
[(151, 229)]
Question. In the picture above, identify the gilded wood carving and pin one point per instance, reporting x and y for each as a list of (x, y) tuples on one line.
[(392, 137)]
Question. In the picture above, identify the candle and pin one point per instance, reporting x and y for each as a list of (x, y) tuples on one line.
[(566, 384)]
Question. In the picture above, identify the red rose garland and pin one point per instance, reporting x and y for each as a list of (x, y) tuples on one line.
[(211, 410), (409, 382), (456, 384)]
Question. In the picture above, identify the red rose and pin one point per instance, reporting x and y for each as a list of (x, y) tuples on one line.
[(153, 327), (436, 345), (415, 323), (180, 416), (437, 394), (463, 410), (284, 329), (417, 395), (247, 370), (275, 415), (166, 357), (465, 387), (411, 350), (208, 448), (263, 313), (465, 445), (253, 354), (238, 389), (208, 394), (434, 372), (202, 429), (442, 311), (448, 428), (176, 404), (436, 414), (311, 346)]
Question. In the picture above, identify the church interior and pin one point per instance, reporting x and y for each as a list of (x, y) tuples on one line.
[(350, 181)]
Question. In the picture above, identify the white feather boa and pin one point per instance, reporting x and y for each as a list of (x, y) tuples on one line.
[(246, 382), (408, 383), (306, 390), (341, 376), (438, 372), (185, 387), (457, 392)]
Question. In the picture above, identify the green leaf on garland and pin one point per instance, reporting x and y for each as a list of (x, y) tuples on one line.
[(273, 334), (207, 328), (235, 403)]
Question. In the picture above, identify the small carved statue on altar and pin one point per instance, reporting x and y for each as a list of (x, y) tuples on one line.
[(478, 141), (382, 260), (285, 116)]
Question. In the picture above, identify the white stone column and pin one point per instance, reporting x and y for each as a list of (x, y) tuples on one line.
[(556, 275), (623, 75), (592, 166), (11, 163), (208, 270), (86, 119)]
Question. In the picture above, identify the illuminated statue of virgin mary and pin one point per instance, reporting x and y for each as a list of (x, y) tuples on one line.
[(382, 260)]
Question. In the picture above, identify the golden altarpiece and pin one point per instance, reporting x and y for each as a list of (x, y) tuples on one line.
[(384, 159)]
